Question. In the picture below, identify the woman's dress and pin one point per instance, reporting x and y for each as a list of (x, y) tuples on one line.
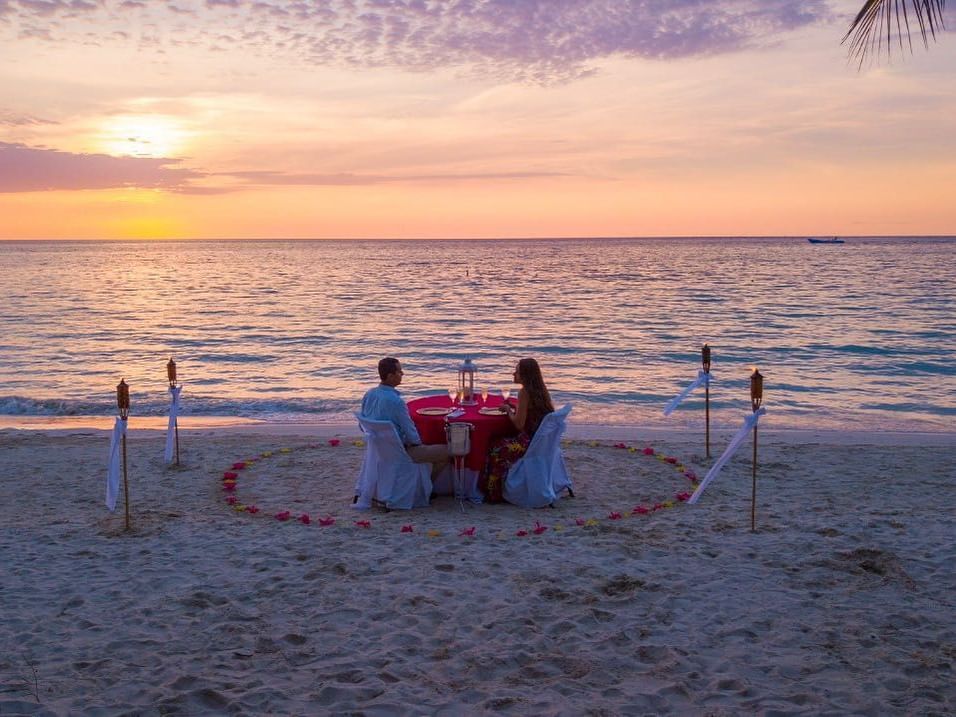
[(503, 454)]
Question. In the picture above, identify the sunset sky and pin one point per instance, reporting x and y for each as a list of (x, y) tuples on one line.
[(466, 118)]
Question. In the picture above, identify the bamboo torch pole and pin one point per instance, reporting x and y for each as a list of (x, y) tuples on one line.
[(756, 398), (171, 375), (705, 363), (122, 402)]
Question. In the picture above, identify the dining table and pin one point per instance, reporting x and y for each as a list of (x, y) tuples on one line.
[(430, 414)]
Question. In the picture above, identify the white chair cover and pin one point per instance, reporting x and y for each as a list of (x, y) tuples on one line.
[(388, 474), (536, 479)]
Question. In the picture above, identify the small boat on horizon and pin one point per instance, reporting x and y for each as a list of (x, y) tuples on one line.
[(825, 240)]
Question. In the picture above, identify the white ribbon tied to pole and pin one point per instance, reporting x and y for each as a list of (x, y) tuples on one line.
[(113, 471), (728, 453), (703, 377), (171, 430)]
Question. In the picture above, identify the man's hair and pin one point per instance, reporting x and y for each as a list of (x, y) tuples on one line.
[(387, 366)]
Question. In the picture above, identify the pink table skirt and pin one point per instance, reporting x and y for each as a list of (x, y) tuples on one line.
[(487, 428)]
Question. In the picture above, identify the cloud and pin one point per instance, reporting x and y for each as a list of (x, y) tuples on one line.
[(540, 41), (272, 178), (11, 119), (31, 169)]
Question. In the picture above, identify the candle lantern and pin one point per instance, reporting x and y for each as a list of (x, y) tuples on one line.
[(122, 398), (756, 390), (466, 382), (171, 372)]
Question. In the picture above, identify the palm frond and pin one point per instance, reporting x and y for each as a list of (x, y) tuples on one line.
[(872, 29)]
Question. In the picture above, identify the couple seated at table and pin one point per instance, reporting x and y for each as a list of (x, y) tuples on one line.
[(384, 403)]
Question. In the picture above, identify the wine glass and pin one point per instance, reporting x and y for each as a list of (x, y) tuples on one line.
[(484, 395), (506, 393), (453, 394)]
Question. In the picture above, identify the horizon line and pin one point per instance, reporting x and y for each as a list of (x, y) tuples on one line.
[(480, 238)]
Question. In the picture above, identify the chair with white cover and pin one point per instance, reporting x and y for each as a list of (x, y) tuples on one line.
[(540, 475), (388, 473)]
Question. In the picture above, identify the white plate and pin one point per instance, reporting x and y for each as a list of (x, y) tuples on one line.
[(433, 411)]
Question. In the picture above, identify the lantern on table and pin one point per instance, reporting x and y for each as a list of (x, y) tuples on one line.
[(466, 382)]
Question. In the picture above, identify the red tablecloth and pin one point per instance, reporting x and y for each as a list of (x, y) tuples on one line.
[(487, 428)]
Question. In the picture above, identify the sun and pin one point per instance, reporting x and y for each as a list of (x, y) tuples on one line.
[(143, 136)]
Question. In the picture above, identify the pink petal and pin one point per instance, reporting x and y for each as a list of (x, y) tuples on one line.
[(334, 441), (648, 451), (408, 529)]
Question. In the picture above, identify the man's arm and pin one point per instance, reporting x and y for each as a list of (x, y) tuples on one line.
[(406, 427)]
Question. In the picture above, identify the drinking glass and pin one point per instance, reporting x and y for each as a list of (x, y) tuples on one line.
[(452, 394), (506, 393), (484, 395)]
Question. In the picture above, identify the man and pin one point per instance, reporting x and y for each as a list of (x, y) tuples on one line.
[(384, 403)]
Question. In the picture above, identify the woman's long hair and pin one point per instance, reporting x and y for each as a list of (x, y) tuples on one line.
[(539, 400)]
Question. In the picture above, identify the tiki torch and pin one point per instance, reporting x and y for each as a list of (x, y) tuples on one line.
[(122, 402), (705, 363), (756, 398), (171, 375)]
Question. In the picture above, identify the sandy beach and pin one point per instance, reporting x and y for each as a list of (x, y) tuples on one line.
[(842, 602)]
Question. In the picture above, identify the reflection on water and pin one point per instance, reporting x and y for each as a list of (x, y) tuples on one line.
[(861, 332)]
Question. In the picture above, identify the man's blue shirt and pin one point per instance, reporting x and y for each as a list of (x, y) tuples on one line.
[(384, 403)]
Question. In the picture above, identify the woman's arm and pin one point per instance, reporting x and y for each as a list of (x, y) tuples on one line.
[(520, 415)]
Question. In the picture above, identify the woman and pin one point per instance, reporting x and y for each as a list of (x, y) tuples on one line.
[(534, 403)]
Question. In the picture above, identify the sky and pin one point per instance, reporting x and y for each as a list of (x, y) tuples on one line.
[(466, 118)]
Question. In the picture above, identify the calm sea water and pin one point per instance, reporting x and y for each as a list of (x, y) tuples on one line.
[(856, 336)]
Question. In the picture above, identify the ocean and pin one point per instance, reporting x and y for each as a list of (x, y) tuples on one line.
[(856, 336)]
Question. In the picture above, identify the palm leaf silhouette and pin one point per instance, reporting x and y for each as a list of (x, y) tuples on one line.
[(872, 31)]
